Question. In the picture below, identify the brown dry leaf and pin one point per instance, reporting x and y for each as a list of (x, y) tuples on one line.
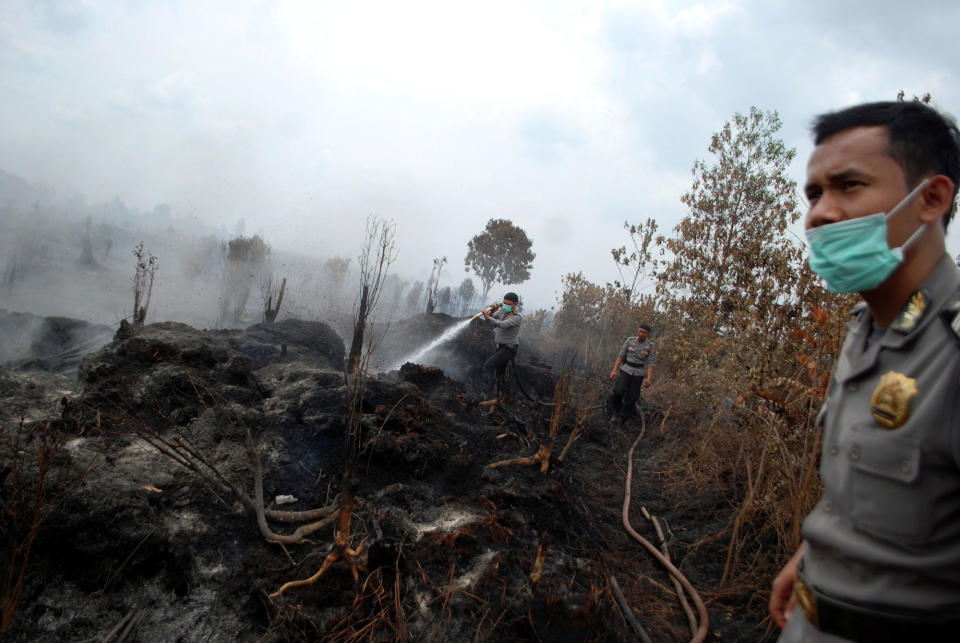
[(821, 316)]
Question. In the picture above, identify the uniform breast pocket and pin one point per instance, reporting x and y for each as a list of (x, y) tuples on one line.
[(888, 496)]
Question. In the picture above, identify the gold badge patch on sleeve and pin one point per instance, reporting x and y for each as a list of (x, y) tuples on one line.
[(890, 402)]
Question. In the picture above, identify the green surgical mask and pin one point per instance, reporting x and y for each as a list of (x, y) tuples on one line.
[(853, 255), (507, 308)]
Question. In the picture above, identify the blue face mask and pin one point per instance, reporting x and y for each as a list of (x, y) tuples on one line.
[(853, 255), (507, 308)]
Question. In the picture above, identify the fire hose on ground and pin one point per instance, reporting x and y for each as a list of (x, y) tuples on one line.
[(701, 631)]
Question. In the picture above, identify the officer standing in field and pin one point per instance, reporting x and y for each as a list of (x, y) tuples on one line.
[(632, 371), (880, 559)]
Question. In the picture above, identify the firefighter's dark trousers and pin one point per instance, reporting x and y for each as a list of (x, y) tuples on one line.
[(626, 392), (498, 363)]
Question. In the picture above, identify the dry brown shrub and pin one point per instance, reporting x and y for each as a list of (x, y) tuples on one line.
[(750, 434), (745, 342), (591, 323)]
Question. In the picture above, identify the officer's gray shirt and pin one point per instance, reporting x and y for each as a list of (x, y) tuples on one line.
[(887, 530), (636, 356), (507, 329)]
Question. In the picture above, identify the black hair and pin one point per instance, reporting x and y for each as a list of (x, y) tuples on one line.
[(922, 140), (512, 296), (644, 326)]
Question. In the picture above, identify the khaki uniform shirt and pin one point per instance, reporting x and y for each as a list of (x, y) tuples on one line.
[(886, 532), (507, 325), (636, 355)]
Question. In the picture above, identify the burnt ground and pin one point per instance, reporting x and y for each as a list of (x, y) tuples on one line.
[(48, 343), (138, 545)]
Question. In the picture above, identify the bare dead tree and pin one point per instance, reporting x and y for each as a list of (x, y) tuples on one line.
[(268, 290), (86, 255), (378, 252), (352, 445), (563, 393), (14, 271), (434, 283), (147, 266)]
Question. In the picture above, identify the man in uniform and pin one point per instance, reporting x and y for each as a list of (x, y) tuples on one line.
[(506, 319), (632, 371), (881, 553)]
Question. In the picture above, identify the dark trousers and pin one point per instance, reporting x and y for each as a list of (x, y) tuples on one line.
[(626, 392), (498, 363)]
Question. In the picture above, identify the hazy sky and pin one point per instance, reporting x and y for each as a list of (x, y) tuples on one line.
[(566, 117)]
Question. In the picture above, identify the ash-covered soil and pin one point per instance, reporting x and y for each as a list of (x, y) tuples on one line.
[(146, 515)]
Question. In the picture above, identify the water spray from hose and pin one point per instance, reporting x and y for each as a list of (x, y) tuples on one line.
[(447, 335)]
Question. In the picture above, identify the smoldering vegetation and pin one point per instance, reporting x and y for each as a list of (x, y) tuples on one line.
[(59, 262), (452, 522)]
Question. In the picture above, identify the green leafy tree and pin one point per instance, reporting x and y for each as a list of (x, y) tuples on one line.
[(636, 262), (732, 261), (926, 99), (499, 254)]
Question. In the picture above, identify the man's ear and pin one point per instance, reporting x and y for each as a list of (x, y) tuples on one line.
[(936, 198)]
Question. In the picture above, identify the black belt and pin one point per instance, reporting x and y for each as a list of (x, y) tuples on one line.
[(511, 346), (859, 623)]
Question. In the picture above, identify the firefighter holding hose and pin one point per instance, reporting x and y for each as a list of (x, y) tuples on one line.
[(506, 319)]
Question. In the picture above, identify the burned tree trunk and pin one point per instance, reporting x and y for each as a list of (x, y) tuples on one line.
[(356, 347), (270, 311), (146, 270)]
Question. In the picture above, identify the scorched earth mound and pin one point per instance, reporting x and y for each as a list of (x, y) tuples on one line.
[(186, 477)]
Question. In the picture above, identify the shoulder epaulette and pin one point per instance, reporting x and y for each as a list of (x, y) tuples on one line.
[(913, 313)]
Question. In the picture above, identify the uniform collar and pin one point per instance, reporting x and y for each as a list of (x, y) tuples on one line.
[(920, 308), (937, 289)]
